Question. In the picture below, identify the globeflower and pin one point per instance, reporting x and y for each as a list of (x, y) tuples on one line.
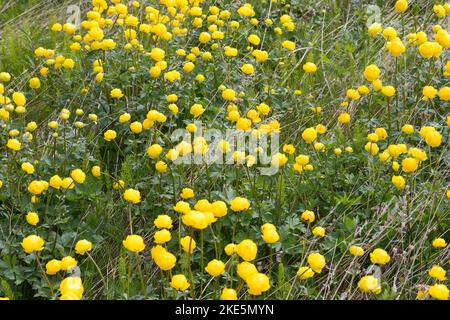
[(228, 294), (187, 193), (305, 273), (239, 204), (68, 262), (258, 283), (369, 284), (32, 243), (356, 251), (83, 246), (374, 29), (318, 232), (316, 261), (308, 216), (78, 176), (13, 144), (288, 45), (309, 67), (32, 218), (110, 135), (134, 243), (398, 182), (53, 267), (438, 273), (116, 93), (371, 72), (409, 165), (71, 287), (309, 135), (439, 291), (188, 244), (215, 268), (132, 196), (179, 282), (163, 221), (439, 243), (247, 250), (379, 256)]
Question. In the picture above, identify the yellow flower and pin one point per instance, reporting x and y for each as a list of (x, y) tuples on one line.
[(356, 251), (136, 127), (433, 139), (254, 39), (134, 243), (369, 284), (229, 94), (72, 286), (19, 99), (32, 218), (67, 183), (279, 160), (83, 246), (388, 91), (32, 243), (162, 236), (246, 269), (116, 93), (154, 151), (305, 273), (13, 144), (353, 94), (163, 258), (132, 196), (289, 45), (228, 294), (371, 72), (438, 273), (398, 182), (257, 283), (27, 167), (182, 207), (439, 243), (215, 268), (308, 216), (161, 166), (157, 54), (36, 187), (230, 249), (68, 263), (269, 234), (35, 83), (379, 256), (188, 244), (344, 118), (96, 171), (374, 29), (179, 282), (318, 232), (316, 261), (401, 5), (247, 250), (309, 135), (247, 68), (408, 129), (439, 291), (78, 176), (53, 267), (309, 67), (163, 221), (409, 165), (110, 135), (197, 110), (239, 204)]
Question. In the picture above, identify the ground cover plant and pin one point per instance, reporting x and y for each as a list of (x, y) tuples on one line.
[(189, 149)]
